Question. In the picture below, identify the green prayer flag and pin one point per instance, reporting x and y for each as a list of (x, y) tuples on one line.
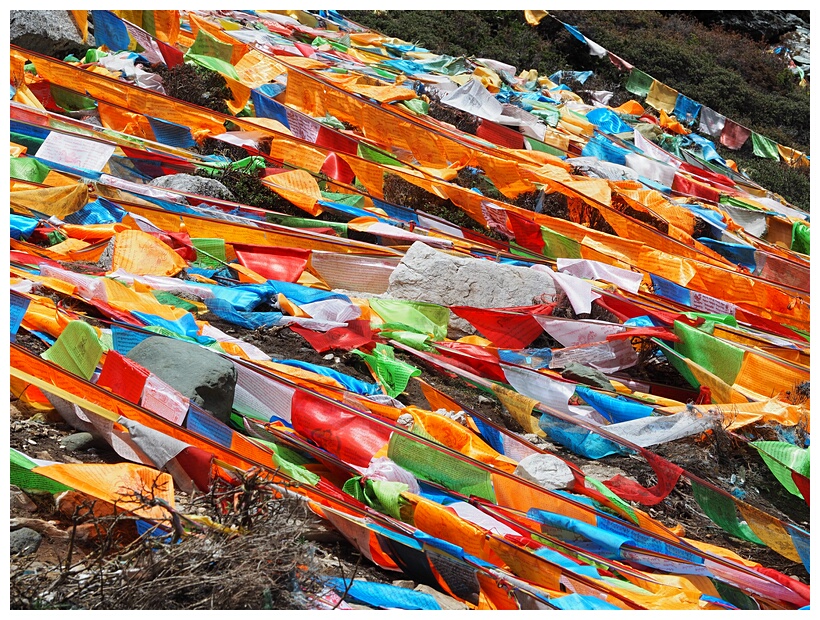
[(290, 469), (721, 509), (148, 23), (31, 143), (639, 83), (28, 169), (606, 492), (417, 316), (71, 101), (543, 147), (763, 147), (94, 55), (77, 349), (210, 252), (206, 44), (169, 299), (214, 64), (717, 356), (557, 245), (382, 495), (22, 476), (417, 106), (734, 596), (331, 121), (411, 339), (711, 318), (427, 463), (377, 156), (676, 361), (801, 238), (391, 374), (304, 222), (351, 200), (737, 202), (249, 165), (782, 458)]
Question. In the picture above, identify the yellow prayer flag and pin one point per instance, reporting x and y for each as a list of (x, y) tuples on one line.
[(534, 17), (662, 97)]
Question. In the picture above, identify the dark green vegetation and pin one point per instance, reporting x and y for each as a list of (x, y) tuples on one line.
[(196, 85), (730, 73)]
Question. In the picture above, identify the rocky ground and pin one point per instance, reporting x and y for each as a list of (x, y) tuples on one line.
[(718, 457)]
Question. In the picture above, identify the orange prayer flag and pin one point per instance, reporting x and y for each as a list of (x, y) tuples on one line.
[(120, 484), (138, 252), (116, 118), (672, 124), (630, 107), (297, 186), (370, 175), (384, 94), (81, 17), (166, 25)]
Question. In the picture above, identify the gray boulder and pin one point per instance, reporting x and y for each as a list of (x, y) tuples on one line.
[(545, 470), (53, 33), (24, 541), (425, 274), (193, 185), (207, 379)]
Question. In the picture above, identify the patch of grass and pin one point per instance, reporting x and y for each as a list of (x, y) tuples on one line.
[(196, 85)]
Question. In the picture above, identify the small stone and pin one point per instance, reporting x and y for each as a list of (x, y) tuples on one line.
[(444, 601), (329, 356), (24, 541), (404, 583), (77, 442), (44, 455), (20, 501)]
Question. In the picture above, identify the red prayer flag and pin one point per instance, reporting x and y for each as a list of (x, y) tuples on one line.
[(506, 328), (273, 262), (172, 55), (352, 438), (624, 309), (803, 485), (666, 472), (335, 141), (337, 168), (197, 464), (357, 334), (123, 376), (690, 187), (474, 358), (499, 134), (527, 233), (306, 50)]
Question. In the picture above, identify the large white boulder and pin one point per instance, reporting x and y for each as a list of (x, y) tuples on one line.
[(425, 274), (545, 470), (53, 33)]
